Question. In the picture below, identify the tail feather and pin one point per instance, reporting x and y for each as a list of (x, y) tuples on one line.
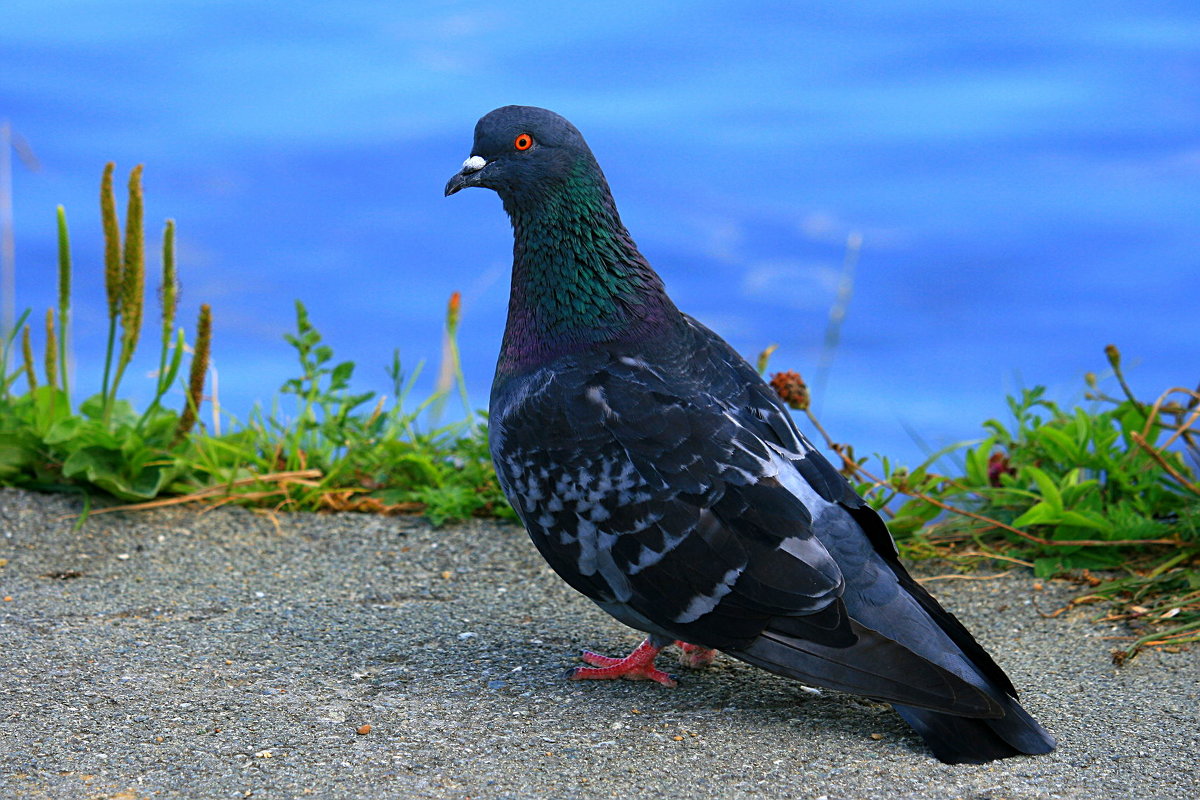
[(963, 721), (875, 666), (962, 740)]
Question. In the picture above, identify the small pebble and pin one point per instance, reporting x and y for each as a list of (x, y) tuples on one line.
[(363, 730)]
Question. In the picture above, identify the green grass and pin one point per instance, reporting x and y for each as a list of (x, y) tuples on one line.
[(1103, 493), (332, 449)]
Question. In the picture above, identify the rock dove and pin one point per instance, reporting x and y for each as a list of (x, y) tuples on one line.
[(661, 477)]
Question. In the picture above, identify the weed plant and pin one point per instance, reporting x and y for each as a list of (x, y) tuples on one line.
[(1105, 495), (46, 441), (346, 451), (336, 449)]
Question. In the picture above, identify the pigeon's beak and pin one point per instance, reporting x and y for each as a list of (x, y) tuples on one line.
[(467, 176)]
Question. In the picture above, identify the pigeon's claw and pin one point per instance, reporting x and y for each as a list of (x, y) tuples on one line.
[(693, 656), (637, 666)]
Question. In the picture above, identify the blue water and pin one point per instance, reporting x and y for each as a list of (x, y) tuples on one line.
[(1025, 177)]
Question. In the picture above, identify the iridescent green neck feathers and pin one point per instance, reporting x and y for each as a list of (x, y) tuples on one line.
[(578, 278)]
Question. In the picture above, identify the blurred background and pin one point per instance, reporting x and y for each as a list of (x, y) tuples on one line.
[(1025, 179)]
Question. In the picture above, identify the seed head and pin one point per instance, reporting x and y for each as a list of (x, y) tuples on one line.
[(791, 389), (112, 242), (453, 312), (998, 464), (1114, 355), (51, 359), (196, 377), (27, 359)]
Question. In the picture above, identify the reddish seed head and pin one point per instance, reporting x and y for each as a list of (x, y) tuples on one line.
[(998, 465), (791, 389)]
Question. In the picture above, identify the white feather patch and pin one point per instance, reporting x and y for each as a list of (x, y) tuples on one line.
[(703, 603)]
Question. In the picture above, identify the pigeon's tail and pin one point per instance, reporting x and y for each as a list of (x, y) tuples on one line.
[(961, 740), (873, 665), (962, 720)]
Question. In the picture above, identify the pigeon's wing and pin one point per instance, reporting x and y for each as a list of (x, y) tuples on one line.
[(883, 596), (641, 497), (857, 534), (831, 486), (643, 484)]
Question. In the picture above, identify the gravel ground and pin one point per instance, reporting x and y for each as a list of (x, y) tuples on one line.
[(226, 654)]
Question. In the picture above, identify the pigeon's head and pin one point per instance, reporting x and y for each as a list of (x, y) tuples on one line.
[(521, 151)]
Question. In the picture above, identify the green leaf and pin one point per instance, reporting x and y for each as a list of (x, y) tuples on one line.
[(1040, 514), (50, 406), (1046, 485), (1065, 448), (108, 470), (999, 432), (67, 430), (1133, 420), (1086, 519), (93, 407), (91, 463), (339, 378), (17, 454), (1047, 567), (977, 462)]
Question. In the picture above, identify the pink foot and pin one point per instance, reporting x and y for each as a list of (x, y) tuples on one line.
[(637, 666), (693, 656)]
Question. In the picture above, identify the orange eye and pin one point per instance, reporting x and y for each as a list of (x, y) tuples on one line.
[(523, 142)]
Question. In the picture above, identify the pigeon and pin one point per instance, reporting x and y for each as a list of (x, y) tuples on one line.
[(661, 477)]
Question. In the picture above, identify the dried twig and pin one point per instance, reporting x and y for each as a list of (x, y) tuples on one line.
[(303, 477), (1162, 462), (965, 577), (997, 556), (1156, 409)]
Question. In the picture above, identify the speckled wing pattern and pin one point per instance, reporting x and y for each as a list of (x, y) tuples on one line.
[(667, 483)]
